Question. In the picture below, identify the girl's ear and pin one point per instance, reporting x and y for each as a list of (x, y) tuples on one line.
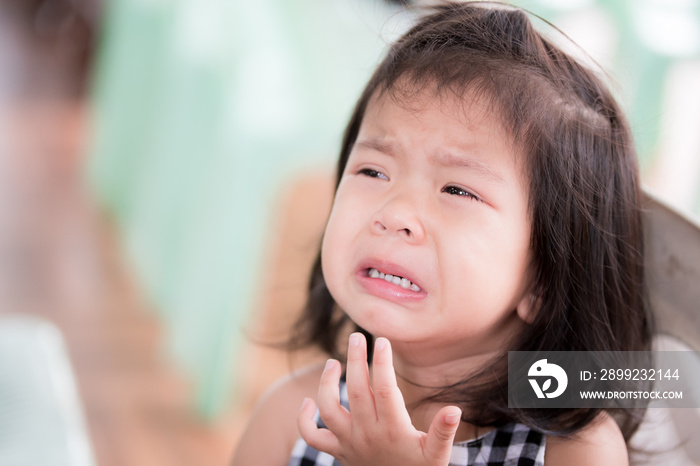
[(529, 306)]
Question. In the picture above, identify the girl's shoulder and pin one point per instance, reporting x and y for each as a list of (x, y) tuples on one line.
[(600, 443), (272, 429)]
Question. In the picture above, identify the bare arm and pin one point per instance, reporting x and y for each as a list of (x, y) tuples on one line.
[(272, 430), (601, 443)]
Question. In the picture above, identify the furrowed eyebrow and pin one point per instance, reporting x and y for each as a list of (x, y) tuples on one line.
[(451, 160), (444, 159), (376, 144)]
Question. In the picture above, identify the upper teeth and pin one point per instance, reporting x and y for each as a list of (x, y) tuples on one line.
[(395, 279)]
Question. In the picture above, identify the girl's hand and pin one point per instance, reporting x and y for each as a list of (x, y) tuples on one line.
[(377, 430)]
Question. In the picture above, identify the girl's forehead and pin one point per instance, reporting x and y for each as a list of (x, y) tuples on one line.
[(464, 109)]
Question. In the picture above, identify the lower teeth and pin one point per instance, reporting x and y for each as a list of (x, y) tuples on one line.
[(396, 280)]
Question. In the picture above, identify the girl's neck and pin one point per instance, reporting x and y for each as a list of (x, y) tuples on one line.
[(424, 367), (418, 381), (421, 379)]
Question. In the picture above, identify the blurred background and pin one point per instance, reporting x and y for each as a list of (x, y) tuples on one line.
[(165, 173)]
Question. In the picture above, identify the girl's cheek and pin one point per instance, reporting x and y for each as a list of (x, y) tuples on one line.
[(330, 246)]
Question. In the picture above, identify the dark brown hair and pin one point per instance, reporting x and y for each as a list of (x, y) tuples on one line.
[(584, 197)]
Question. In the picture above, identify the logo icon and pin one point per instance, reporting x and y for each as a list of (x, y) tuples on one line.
[(541, 369)]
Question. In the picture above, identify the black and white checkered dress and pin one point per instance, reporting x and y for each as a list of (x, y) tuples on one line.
[(510, 445)]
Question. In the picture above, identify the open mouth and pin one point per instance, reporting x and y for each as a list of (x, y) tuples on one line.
[(395, 279)]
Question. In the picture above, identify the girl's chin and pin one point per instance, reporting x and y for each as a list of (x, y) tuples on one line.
[(386, 324)]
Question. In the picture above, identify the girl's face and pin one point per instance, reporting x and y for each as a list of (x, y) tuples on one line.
[(428, 239)]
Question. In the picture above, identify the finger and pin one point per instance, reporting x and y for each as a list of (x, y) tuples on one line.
[(389, 402), (320, 439), (442, 433), (360, 395), (334, 416)]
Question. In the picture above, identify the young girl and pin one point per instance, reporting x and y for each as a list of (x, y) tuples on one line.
[(487, 200)]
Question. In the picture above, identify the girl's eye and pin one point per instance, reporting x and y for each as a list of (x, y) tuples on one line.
[(457, 191), (373, 173)]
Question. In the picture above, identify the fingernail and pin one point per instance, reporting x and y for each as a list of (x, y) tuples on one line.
[(304, 404), (380, 344), (355, 339), (453, 418), (329, 365)]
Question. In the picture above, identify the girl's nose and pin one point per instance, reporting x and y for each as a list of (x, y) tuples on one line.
[(399, 217)]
